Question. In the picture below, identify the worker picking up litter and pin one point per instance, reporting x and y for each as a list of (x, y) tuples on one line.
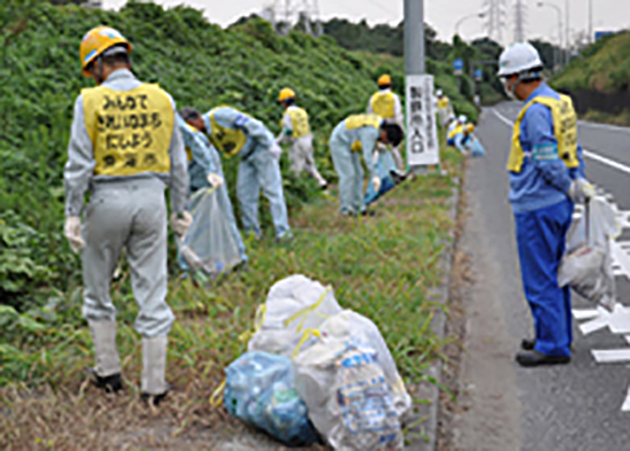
[(295, 129)]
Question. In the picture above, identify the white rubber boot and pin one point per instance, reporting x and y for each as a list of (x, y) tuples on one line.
[(154, 367), (105, 353)]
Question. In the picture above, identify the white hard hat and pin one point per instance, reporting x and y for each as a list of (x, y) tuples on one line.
[(439, 93), (462, 119), (518, 58)]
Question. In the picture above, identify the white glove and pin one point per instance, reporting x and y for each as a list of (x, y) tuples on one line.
[(376, 183), (215, 180), (275, 150), (72, 232), (181, 222), (581, 190)]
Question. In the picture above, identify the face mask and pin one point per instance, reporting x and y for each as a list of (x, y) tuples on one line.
[(509, 89)]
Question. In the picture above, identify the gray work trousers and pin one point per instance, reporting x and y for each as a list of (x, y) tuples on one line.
[(128, 214)]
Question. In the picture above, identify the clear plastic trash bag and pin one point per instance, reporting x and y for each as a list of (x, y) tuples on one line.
[(344, 381), (587, 264), (209, 244), (260, 391), (475, 147), (293, 305)]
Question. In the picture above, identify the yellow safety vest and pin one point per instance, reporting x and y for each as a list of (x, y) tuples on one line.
[(565, 131), (457, 130), (130, 130), (227, 140), (384, 104), (362, 120), (443, 103), (299, 120)]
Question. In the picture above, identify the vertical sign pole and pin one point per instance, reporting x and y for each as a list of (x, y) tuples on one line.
[(421, 133)]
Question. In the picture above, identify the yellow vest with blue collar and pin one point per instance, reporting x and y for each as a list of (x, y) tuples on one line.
[(456, 131), (226, 140), (564, 127), (362, 120)]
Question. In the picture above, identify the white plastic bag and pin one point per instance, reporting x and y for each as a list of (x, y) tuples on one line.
[(587, 264), (209, 244), (350, 384), (293, 305)]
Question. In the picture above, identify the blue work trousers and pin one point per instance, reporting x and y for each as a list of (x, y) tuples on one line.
[(540, 236)]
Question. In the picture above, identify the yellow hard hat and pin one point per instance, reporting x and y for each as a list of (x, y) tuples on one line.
[(96, 41), (285, 94), (384, 79), (470, 128)]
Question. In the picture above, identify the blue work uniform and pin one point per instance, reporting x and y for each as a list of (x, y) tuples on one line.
[(543, 212), (204, 159), (385, 164), (258, 169), (346, 146)]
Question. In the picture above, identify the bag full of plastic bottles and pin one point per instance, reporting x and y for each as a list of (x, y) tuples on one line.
[(260, 391)]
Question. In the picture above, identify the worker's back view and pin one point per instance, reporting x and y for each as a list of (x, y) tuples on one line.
[(125, 147)]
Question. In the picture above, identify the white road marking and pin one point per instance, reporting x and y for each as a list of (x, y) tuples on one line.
[(626, 403), (614, 128), (587, 153), (612, 356)]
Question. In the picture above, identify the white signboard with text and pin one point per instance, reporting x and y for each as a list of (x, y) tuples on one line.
[(423, 147)]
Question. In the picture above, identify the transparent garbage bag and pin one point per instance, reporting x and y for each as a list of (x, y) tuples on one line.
[(587, 264), (293, 305), (343, 379), (475, 147), (209, 244), (260, 391)]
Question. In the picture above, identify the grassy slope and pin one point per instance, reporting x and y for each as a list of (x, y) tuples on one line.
[(198, 63), (605, 66)]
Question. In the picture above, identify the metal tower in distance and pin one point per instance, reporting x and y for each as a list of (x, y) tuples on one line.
[(291, 13), (496, 15), (520, 17)]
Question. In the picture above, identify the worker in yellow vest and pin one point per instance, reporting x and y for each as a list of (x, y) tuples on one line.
[(295, 128), (234, 133), (546, 179), (355, 136), (125, 148), (386, 104), (444, 108)]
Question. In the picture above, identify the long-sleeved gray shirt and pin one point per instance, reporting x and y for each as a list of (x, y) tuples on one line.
[(79, 174)]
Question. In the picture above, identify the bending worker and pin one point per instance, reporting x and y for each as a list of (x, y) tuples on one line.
[(125, 147), (546, 178), (386, 104), (234, 133), (205, 169), (356, 135), (296, 129)]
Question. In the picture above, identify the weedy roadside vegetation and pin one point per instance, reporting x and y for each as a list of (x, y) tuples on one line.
[(383, 267)]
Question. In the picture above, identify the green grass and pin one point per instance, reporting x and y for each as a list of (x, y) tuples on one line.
[(383, 267)]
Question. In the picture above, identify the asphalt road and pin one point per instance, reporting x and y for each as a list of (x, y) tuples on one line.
[(572, 407)]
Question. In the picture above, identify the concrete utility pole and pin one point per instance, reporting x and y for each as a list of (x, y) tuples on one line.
[(519, 21), (567, 33), (414, 37), (591, 37)]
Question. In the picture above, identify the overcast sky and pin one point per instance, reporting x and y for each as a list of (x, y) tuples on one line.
[(441, 14)]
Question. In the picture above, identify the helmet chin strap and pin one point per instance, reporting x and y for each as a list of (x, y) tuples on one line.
[(98, 73)]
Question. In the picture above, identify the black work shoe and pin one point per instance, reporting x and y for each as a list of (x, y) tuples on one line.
[(109, 384), (397, 177), (155, 400), (369, 213), (535, 358), (528, 344)]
